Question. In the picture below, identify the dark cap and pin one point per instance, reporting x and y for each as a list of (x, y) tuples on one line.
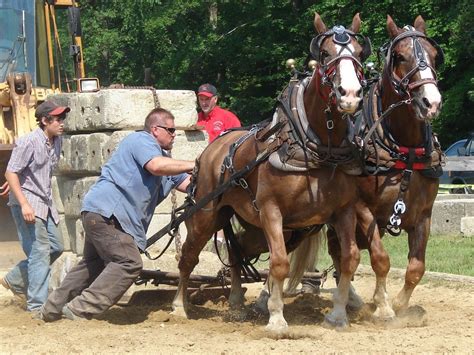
[(207, 90), (49, 108)]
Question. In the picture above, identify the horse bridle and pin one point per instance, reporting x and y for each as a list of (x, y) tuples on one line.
[(402, 85), (341, 36)]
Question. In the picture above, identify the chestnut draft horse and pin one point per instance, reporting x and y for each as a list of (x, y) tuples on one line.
[(404, 155), (275, 197)]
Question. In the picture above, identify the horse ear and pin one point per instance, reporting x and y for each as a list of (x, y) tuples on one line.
[(392, 27), (355, 27), (319, 25), (420, 24)]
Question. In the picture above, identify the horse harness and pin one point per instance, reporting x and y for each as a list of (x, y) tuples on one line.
[(383, 153), (402, 85), (302, 150)]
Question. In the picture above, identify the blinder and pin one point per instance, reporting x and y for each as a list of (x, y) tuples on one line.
[(403, 86), (342, 36), (411, 32)]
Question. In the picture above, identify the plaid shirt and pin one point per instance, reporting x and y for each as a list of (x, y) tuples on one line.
[(34, 160)]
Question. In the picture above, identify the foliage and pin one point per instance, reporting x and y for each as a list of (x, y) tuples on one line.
[(241, 46)]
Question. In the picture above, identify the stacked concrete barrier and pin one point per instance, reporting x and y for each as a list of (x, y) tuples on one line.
[(453, 215), (96, 124)]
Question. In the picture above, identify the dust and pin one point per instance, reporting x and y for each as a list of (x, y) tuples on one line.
[(440, 319)]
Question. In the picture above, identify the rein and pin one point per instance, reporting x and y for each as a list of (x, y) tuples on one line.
[(189, 207)]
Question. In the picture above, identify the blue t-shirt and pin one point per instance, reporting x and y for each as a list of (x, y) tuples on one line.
[(127, 190)]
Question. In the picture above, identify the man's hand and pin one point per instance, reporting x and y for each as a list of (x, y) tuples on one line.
[(4, 190), (28, 213)]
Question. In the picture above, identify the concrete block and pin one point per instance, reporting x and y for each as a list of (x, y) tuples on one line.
[(64, 191), (64, 232), (188, 145), (72, 192), (467, 226), (60, 268), (446, 216), (442, 197), (65, 162), (69, 228), (80, 237), (182, 104), (125, 109), (109, 147), (95, 152), (56, 195), (109, 109), (79, 157)]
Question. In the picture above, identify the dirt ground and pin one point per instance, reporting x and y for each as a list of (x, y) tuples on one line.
[(440, 319)]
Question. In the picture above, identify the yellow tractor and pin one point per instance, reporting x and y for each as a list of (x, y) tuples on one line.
[(31, 68)]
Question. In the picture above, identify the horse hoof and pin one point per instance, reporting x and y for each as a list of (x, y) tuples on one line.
[(277, 327), (355, 303), (337, 323), (384, 316), (179, 312), (236, 302), (261, 304)]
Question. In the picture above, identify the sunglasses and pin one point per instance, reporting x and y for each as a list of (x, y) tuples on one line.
[(168, 129)]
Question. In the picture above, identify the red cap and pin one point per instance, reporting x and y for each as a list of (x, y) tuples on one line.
[(49, 108), (207, 90)]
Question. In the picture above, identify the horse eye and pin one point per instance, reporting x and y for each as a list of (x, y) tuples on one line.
[(324, 55), (399, 57)]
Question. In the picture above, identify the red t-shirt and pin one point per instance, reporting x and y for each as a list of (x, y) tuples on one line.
[(218, 121)]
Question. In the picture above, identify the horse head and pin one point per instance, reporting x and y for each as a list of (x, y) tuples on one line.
[(411, 61), (339, 53)]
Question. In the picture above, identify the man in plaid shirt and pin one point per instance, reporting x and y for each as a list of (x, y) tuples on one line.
[(29, 174)]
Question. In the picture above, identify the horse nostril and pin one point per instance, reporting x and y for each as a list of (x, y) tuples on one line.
[(341, 91), (426, 102)]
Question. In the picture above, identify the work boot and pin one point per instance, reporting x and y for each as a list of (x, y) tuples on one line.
[(67, 313), (48, 317), (20, 296)]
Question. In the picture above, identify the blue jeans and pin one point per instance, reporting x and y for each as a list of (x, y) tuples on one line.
[(42, 243)]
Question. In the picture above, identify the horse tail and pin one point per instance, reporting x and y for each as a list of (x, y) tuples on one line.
[(304, 258)]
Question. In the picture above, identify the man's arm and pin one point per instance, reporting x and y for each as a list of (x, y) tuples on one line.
[(164, 166), (14, 181), (184, 185)]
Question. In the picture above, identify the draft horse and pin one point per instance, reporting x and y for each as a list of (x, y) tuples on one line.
[(277, 195), (404, 156)]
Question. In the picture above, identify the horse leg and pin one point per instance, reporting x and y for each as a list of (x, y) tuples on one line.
[(270, 218), (350, 257), (236, 296), (194, 243), (380, 262), (334, 248), (418, 240)]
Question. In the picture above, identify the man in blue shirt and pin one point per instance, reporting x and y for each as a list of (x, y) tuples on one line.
[(116, 213)]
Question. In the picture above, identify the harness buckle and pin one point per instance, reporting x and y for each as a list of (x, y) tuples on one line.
[(399, 207), (330, 124), (395, 220), (243, 183)]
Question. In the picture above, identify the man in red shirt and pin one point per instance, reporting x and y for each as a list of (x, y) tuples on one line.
[(213, 118)]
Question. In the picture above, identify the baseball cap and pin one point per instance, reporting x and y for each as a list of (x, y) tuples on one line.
[(49, 108), (207, 90)]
